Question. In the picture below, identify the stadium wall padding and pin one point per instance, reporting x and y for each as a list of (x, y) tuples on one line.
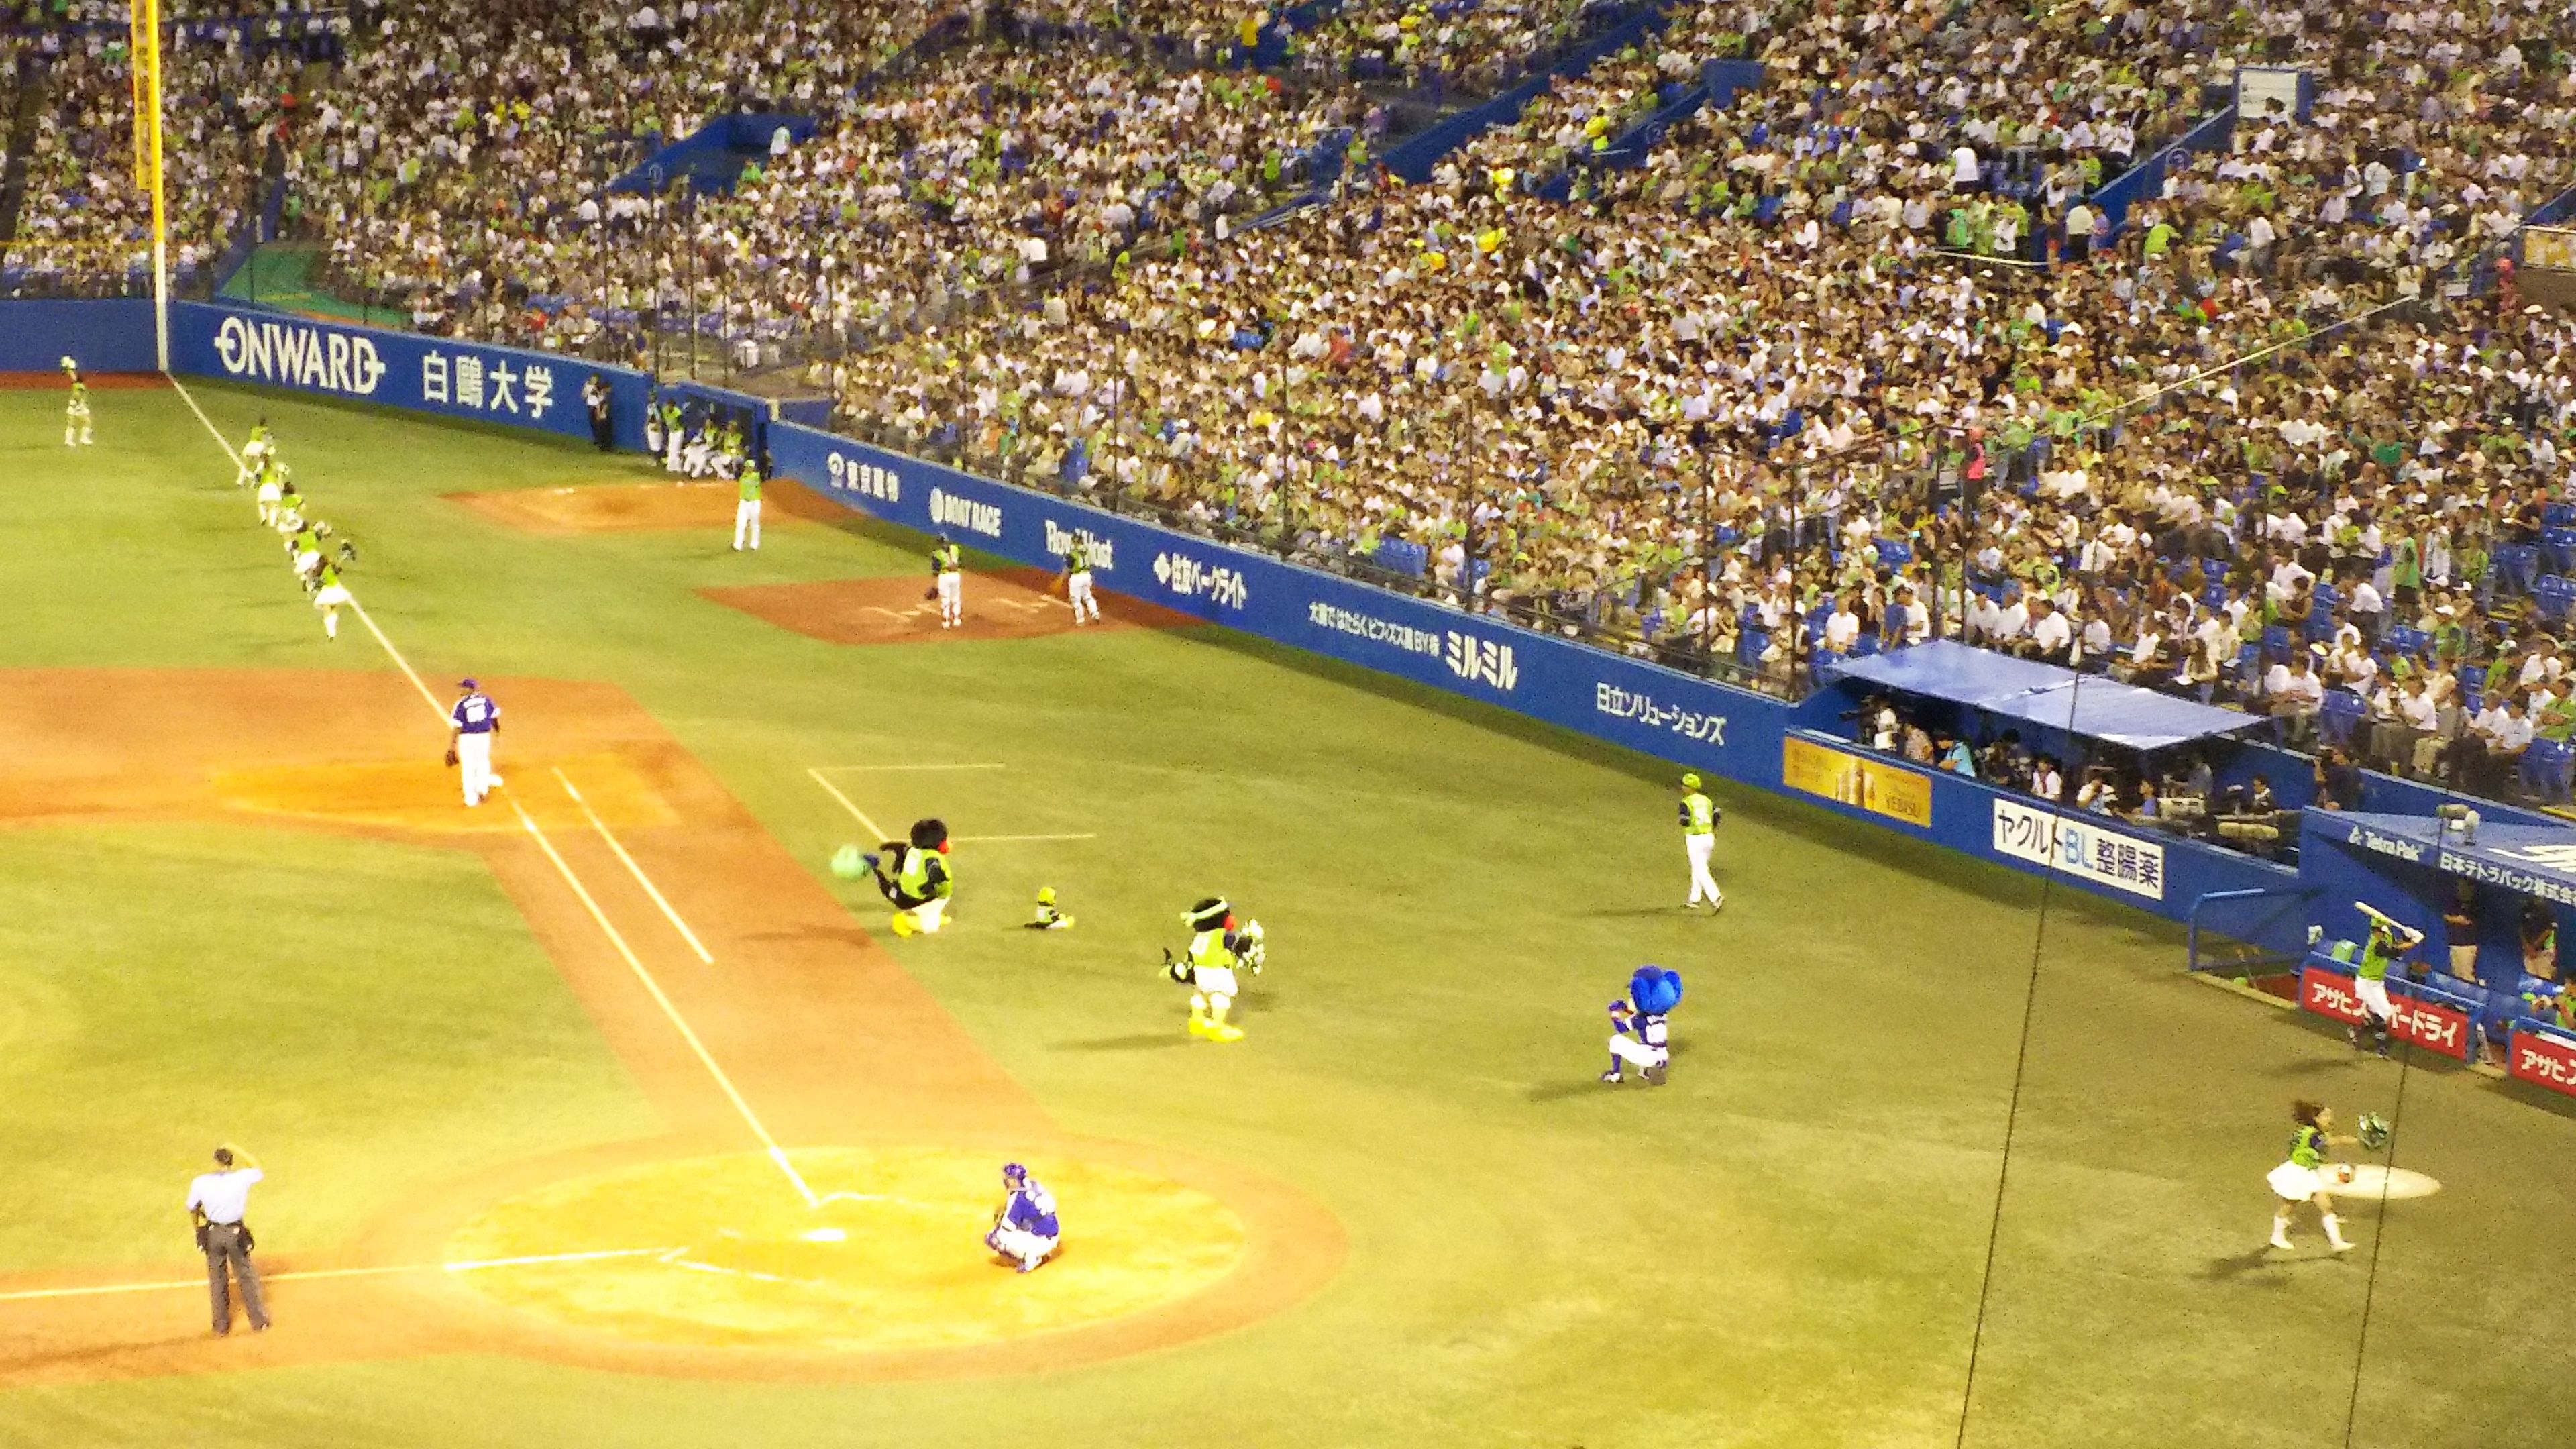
[(1729, 733), (539, 391), (114, 335), (1723, 731)]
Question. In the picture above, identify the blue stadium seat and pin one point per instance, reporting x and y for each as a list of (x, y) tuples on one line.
[(2517, 565), (2558, 515), (2546, 767), (2276, 642), (2404, 640), (2558, 549), (2554, 593), (2339, 715)]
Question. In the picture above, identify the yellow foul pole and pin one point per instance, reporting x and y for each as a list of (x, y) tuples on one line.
[(146, 44)]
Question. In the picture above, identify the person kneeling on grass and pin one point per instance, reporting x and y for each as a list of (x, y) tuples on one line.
[(1025, 1229), (919, 884), (1639, 1033)]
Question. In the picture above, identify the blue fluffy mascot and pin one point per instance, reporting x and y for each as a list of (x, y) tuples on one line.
[(1640, 1035)]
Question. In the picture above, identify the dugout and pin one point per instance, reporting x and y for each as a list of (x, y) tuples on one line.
[(2085, 720), (2412, 866)]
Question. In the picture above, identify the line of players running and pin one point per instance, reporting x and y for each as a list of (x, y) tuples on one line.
[(284, 509)]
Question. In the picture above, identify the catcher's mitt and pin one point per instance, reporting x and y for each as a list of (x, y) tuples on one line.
[(451, 757), (2374, 1131)]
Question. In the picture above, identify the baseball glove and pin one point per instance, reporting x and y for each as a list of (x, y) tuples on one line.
[(930, 593), (451, 757), (2374, 1131)]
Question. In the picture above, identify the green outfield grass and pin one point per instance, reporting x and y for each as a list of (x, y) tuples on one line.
[(1782, 1248)]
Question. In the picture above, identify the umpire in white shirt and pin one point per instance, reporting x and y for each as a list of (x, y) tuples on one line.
[(216, 1201)]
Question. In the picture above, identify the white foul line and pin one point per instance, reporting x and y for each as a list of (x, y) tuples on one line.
[(705, 1059), (996, 839), (856, 813), (776, 1153), (636, 871), (472, 1266), (359, 609)]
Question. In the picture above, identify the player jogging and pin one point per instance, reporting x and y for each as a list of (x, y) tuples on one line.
[(920, 884), (746, 508), (1077, 578), (1217, 946), (2306, 1174), (254, 454), (76, 412), (948, 582), (1640, 1035), (2370, 979), (472, 723), (328, 598), (1025, 1227), (1699, 817)]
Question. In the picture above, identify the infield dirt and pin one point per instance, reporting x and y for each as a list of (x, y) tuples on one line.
[(812, 1019)]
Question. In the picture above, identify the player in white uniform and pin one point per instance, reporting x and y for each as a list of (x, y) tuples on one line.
[(948, 582), (472, 723), (76, 412), (1077, 578)]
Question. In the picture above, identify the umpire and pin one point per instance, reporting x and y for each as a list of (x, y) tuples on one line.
[(216, 1201)]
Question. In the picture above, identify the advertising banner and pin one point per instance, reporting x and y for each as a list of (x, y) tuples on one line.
[(425, 374), (2080, 847), (1876, 785), (1690, 721), (2547, 1060), (2428, 1024)]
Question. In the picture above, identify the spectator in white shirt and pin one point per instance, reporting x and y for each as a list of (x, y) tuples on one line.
[(2292, 692)]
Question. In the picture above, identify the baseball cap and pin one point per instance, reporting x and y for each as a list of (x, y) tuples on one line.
[(469, 682)]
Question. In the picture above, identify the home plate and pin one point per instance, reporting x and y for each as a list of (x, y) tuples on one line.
[(2369, 1179), (835, 1235)]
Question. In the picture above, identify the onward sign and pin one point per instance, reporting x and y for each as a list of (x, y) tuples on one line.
[(299, 355)]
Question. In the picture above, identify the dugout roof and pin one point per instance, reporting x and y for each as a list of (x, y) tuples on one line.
[(2084, 705)]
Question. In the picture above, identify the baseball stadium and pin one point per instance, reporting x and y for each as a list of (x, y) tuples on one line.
[(1591, 724)]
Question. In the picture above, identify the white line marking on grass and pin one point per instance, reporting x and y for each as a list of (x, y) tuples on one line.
[(635, 870), (309, 1274), (777, 1154), (844, 769), (654, 988), (1002, 839), (855, 812)]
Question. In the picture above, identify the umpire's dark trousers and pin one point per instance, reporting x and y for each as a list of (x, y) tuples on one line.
[(226, 1248)]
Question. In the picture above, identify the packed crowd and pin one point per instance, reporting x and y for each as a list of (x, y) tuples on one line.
[(231, 90), (1852, 359)]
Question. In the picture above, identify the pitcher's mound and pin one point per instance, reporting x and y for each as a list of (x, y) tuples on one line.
[(1011, 604), (892, 1260), (638, 507)]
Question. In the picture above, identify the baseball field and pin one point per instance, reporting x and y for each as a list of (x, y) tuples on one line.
[(603, 1115)]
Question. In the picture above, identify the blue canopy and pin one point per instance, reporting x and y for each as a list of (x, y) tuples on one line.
[(2087, 706)]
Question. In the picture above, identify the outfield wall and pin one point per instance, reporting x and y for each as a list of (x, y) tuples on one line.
[(1730, 733), (114, 335), (1723, 731), (507, 385)]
